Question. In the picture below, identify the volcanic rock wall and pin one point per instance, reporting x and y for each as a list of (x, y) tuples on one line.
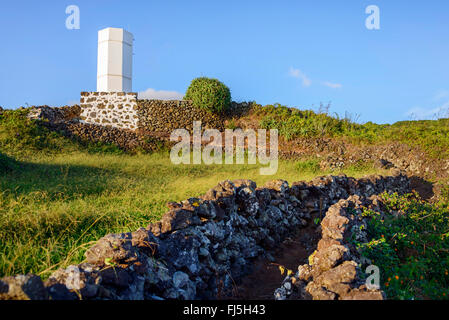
[(55, 115), (164, 116), (125, 111), (334, 270), (201, 245)]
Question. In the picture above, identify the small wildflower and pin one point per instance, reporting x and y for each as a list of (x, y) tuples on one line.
[(397, 277), (281, 269), (386, 284)]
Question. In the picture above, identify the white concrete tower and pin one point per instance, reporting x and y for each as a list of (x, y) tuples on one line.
[(115, 59)]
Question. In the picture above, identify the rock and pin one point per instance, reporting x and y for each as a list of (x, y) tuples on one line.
[(112, 249), (248, 203), (384, 164), (203, 245), (358, 294), (329, 257), (181, 249), (305, 272), (145, 241), (180, 279), (58, 291), (280, 294), (22, 287), (338, 279), (318, 292), (334, 224), (178, 219), (280, 186), (244, 183)]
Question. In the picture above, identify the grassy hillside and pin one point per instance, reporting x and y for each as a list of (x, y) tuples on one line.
[(57, 196), (432, 136), (22, 137)]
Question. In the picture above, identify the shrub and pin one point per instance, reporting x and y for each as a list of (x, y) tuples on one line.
[(409, 243), (209, 94)]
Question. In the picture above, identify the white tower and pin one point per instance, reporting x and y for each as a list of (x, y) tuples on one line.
[(115, 57)]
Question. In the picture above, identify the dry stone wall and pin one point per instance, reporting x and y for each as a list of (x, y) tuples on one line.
[(202, 245), (334, 270), (166, 116), (125, 111), (55, 115)]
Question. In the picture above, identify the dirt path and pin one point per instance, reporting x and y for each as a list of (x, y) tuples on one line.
[(266, 276)]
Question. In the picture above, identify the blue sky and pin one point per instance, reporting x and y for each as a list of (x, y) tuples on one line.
[(297, 53)]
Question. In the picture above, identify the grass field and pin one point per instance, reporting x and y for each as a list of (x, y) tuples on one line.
[(52, 206), (58, 196)]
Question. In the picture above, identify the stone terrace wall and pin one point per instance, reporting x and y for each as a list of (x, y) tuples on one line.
[(125, 111), (166, 116), (201, 245), (55, 114), (115, 109)]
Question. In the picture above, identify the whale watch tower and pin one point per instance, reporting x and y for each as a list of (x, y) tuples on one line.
[(114, 66), (113, 104)]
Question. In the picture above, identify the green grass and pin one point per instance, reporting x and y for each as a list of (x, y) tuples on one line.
[(432, 136), (23, 137), (310, 165), (410, 245), (7, 164), (53, 205), (57, 196)]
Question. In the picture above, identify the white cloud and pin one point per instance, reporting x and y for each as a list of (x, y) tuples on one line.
[(73, 102), (332, 85), (296, 73), (151, 93), (441, 95), (418, 113)]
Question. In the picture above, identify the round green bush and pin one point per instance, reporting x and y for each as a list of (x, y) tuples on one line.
[(209, 94)]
